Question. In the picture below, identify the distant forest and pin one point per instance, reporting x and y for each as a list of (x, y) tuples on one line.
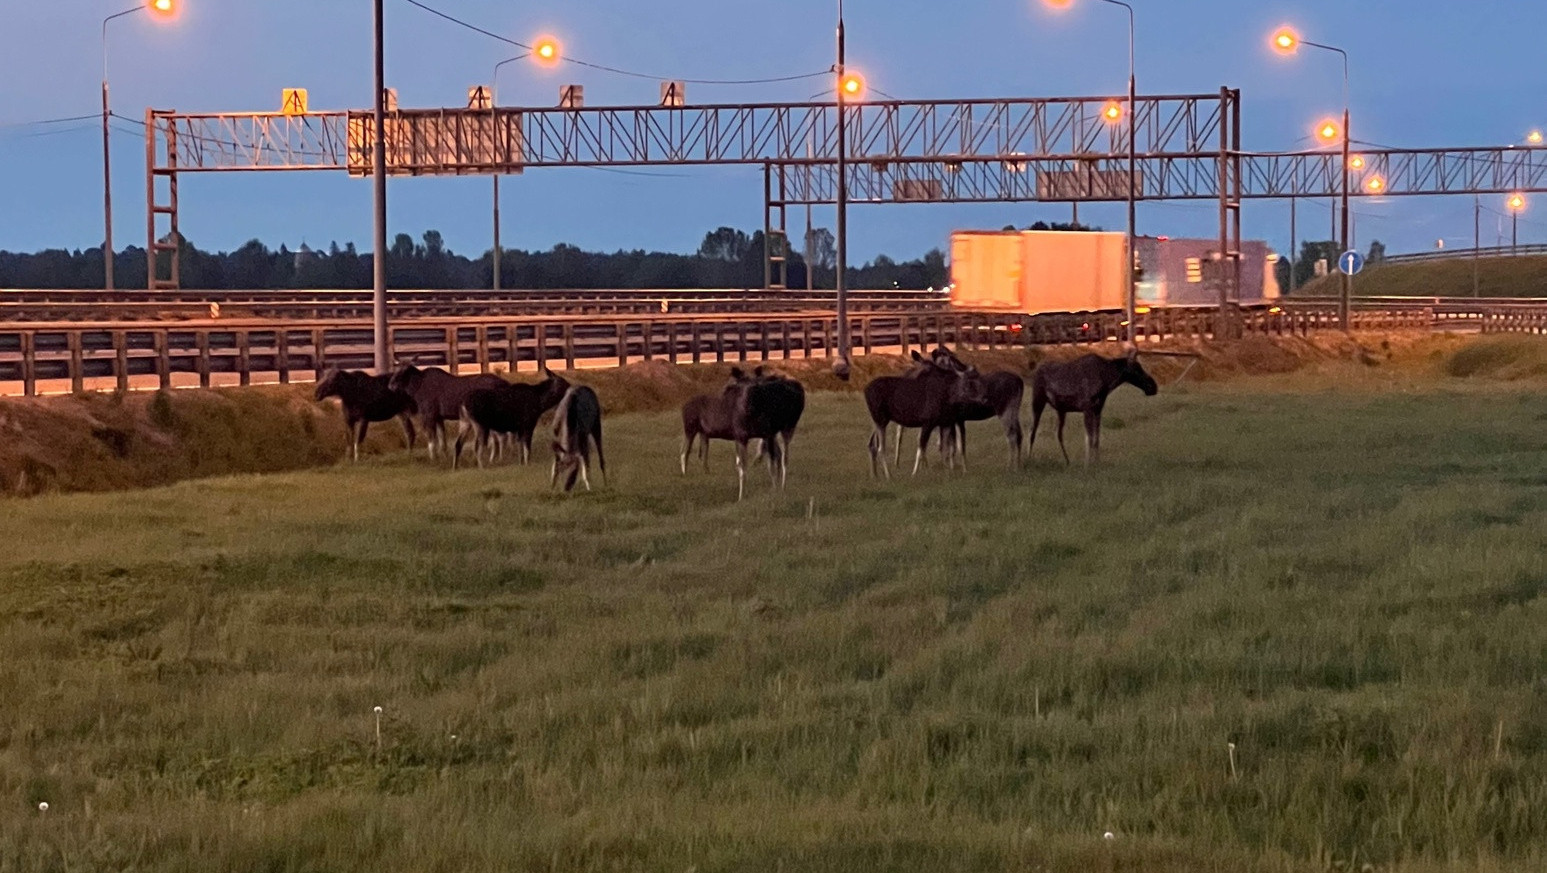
[(728, 258)]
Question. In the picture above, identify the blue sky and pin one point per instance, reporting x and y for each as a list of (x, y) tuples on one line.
[(1425, 74)]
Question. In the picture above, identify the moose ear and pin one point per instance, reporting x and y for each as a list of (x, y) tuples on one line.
[(737, 374), (1133, 354), (760, 371), (916, 356)]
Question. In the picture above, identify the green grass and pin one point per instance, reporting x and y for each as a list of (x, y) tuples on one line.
[(1523, 276), (958, 672)]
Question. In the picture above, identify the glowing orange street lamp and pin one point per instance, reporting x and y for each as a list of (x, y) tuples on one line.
[(1286, 40), (851, 86), (1356, 162), (1329, 132), (163, 6), (1517, 204), (546, 50), (1375, 185), (1534, 137), (1113, 111)]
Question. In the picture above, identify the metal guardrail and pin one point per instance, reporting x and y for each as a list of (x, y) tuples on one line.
[(176, 305), (122, 356)]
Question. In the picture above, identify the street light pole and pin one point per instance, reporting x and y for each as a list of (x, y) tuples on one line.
[(494, 105), (841, 367), (107, 166), (1477, 236), (1133, 180), (1131, 304), (1348, 277), (1286, 40), (379, 189)]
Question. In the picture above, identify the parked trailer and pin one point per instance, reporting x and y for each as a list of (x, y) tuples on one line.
[(1033, 272)]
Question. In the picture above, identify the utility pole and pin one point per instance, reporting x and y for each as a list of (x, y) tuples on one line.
[(379, 188), (841, 368), (1294, 255)]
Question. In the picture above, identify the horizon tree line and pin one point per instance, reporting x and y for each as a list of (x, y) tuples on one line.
[(727, 258)]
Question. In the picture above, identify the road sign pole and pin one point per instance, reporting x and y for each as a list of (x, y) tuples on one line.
[(1348, 278)]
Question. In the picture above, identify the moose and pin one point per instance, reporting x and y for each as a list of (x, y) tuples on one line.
[(1005, 390), (577, 426), (507, 408), (708, 416), (365, 399), (764, 406), (438, 396), (928, 400), (1082, 385)]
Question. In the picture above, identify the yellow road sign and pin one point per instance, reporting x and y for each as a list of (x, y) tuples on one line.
[(292, 101)]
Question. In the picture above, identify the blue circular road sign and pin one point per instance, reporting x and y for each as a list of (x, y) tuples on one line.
[(1350, 262)]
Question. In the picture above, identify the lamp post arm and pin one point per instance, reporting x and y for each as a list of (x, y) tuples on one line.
[(130, 11), (494, 78)]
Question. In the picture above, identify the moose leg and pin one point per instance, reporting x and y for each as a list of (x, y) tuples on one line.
[(961, 443), (1037, 404), (365, 425), (601, 459), (433, 437), (784, 460), (918, 457), (897, 458), (687, 448), (462, 429), (703, 452), (487, 442), (878, 450), (741, 470), (408, 431), (775, 459), (1061, 447), (1092, 437), (1012, 435), (349, 425)]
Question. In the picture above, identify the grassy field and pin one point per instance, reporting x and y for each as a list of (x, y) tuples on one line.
[(1278, 630), (1523, 276)]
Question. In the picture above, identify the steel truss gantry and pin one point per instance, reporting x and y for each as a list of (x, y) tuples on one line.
[(1061, 149), (1078, 132), (1264, 176), (463, 141)]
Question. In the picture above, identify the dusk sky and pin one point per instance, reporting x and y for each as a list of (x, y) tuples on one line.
[(1425, 74)]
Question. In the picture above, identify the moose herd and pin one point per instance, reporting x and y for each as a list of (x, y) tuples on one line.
[(938, 396)]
